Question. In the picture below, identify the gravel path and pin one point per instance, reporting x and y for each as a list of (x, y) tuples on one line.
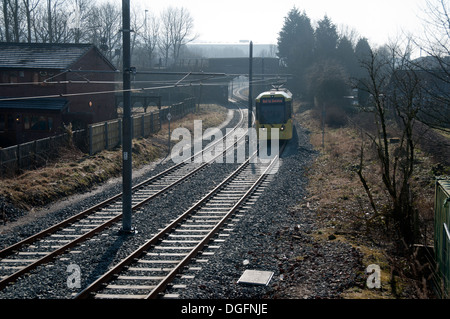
[(49, 282), (271, 236), (277, 238)]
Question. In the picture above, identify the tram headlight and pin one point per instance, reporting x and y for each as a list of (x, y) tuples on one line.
[(282, 128)]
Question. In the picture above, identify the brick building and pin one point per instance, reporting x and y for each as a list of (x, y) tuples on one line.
[(44, 86)]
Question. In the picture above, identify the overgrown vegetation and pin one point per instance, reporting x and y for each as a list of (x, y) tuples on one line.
[(343, 208), (74, 172), (97, 22), (377, 168)]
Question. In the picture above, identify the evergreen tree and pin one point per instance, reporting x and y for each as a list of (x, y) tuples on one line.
[(327, 83), (346, 56), (295, 47), (326, 39), (363, 53)]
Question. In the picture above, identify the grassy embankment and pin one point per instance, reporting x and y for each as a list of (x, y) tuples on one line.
[(337, 195), (73, 171)]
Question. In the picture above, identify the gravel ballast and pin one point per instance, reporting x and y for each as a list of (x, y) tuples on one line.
[(273, 236)]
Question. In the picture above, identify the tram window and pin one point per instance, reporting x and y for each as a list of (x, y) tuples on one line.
[(272, 113)]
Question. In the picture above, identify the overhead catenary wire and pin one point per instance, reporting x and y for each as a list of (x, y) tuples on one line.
[(133, 90), (87, 81), (168, 82), (83, 93), (163, 84)]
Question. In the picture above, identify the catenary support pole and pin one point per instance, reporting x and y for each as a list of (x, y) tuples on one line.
[(250, 79), (126, 124)]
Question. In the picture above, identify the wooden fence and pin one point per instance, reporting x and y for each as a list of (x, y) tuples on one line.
[(99, 136), (35, 153), (108, 135)]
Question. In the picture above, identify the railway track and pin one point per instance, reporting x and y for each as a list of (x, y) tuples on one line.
[(26, 255), (151, 268)]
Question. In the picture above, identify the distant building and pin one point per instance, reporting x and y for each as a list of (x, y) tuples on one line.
[(40, 86), (232, 50), (429, 81), (261, 66)]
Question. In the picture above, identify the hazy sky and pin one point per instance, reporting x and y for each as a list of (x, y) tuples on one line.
[(261, 20)]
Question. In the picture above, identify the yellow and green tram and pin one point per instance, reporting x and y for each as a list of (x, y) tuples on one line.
[(274, 110)]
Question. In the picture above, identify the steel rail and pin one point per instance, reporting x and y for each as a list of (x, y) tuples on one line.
[(178, 269), (88, 291), (155, 239), (11, 249), (4, 282), (8, 250)]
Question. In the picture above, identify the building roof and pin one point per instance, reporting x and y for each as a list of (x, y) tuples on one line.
[(59, 56), (280, 92), (431, 63), (35, 104)]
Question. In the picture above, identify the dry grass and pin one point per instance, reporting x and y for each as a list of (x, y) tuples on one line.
[(75, 172), (341, 203), (334, 185)]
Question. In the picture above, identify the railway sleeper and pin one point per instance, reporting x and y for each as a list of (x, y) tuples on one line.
[(119, 296), (131, 287), (159, 262)]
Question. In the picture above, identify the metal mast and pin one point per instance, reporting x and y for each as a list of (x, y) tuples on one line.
[(126, 126), (250, 80)]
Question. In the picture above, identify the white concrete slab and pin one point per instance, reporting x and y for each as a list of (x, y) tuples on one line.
[(256, 277)]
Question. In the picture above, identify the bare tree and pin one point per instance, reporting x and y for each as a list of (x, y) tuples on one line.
[(6, 20), (29, 8), (348, 32), (183, 25), (145, 37), (150, 37), (83, 14), (105, 29), (38, 20), (436, 35), (51, 23), (12, 20), (85, 21), (165, 39), (15, 10), (137, 25), (435, 43), (176, 28), (396, 98)]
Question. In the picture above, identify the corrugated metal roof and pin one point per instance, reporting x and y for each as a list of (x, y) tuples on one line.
[(41, 55), (35, 104)]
